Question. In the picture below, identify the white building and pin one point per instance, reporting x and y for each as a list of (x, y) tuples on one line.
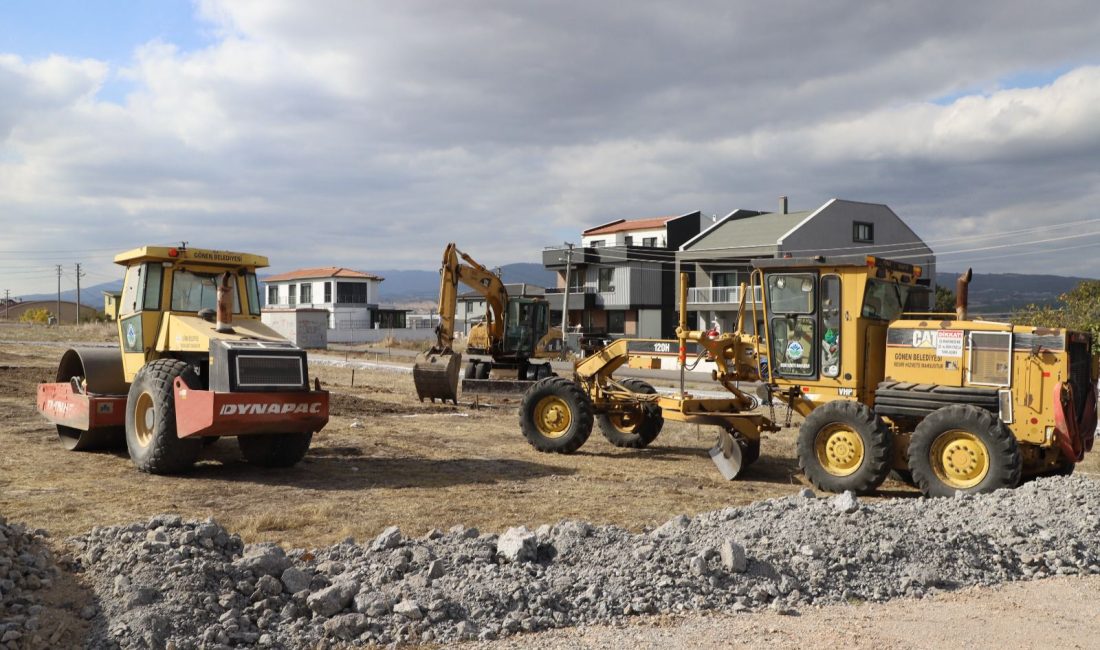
[(350, 297)]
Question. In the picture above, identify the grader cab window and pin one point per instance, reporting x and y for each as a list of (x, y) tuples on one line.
[(794, 345), (885, 300), (195, 291), (830, 326), (791, 293)]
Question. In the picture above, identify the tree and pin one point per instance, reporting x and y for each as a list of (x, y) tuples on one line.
[(40, 315), (1079, 310), (945, 299)]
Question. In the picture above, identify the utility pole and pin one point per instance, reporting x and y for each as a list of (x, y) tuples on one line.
[(78, 276), (57, 319), (565, 297)]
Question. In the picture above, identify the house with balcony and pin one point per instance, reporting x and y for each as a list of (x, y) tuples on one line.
[(621, 279), (720, 257), (349, 298)]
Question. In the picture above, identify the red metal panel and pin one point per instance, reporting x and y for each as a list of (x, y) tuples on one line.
[(209, 413), (60, 405)]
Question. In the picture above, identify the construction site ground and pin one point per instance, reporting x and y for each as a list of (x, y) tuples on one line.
[(387, 459)]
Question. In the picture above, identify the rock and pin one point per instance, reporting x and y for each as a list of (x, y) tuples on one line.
[(264, 560), (294, 580), (517, 545), (806, 493), (268, 586), (372, 603), (345, 626), (698, 566), (435, 569), (846, 502), (410, 609), (673, 526), (387, 539), (733, 556), (331, 600), (141, 596)]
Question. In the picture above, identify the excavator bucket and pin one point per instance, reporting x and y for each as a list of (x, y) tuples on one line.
[(435, 375), (726, 455)]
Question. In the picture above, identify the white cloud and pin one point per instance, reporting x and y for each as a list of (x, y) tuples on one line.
[(368, 134)]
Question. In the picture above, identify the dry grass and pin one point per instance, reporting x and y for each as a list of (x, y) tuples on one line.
[(383, 459), (94, 332)]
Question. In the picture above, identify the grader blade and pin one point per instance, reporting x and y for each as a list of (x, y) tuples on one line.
[(435, 375), (726, 455)]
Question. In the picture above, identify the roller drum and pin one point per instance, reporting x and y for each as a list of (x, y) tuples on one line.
[(100, 373)]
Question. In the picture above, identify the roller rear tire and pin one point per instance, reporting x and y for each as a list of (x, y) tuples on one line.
[(151, 419), (275, 449)]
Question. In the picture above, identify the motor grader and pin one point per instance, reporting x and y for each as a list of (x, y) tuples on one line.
[(194, 363), (510, 349), (947, 402)]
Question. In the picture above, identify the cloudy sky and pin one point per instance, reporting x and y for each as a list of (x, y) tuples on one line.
[(368, 134)]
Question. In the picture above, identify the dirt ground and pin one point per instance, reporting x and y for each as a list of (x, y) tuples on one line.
[(386, 459)]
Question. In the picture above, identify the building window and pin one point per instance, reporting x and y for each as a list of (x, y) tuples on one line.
[(597, 243), (328, 292), (273, 295), (616, 322), (607, 275), (351, 293), (649, 242), (307, 294), (724, 279), (292, 294), (863, 232), (576, 280), (629, 241)]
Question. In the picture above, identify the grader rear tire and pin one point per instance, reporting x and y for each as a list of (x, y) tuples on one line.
[(634, 430), (963, 448), (844, 446), (556, 415), (275, 449), (151, 419)]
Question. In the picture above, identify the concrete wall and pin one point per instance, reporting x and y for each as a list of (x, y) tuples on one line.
[(306, 328), (373, 336)]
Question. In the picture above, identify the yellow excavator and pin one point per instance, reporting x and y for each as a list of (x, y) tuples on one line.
[(506, 353)]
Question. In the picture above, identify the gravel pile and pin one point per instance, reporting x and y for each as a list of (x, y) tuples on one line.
[(26, 570), (192, 584)]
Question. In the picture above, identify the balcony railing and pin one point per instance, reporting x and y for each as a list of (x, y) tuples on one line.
[(719, 295)]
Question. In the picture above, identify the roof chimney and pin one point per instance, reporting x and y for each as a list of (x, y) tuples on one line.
[(782, 205)]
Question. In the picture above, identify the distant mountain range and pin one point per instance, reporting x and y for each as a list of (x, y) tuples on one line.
[(399, 286), (999, 293), (991, 293)]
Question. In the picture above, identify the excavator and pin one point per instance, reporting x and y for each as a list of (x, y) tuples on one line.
[(506, 353)]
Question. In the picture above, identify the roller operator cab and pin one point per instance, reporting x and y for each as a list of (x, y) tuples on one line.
[(947, 402), (194, 362)]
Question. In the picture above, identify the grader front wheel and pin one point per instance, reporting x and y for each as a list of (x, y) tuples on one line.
[(556, 415)]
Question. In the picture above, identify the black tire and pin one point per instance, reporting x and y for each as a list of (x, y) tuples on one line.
[(556, 415), (989, 458), (544, 371), (471, 370), (275, 449), (151, 419), (633, 430), (482, 371), (750, 452), (845, 446)]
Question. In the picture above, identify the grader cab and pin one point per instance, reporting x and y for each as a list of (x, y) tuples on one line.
[(194, 363), (949, 403)]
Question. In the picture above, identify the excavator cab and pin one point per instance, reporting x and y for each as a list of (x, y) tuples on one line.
[(525, 322)]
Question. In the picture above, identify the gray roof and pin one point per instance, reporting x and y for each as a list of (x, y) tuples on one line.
[(748, 232)]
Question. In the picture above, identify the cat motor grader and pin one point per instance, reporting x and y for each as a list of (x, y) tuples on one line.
[(510, 349), (948, 402), (194, 363)]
